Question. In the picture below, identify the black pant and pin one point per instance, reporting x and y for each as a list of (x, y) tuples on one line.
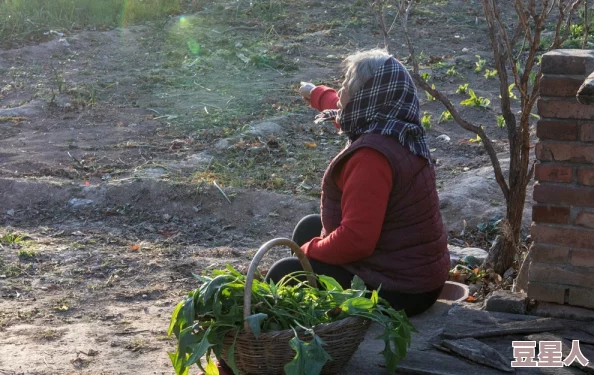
[(310, 227)]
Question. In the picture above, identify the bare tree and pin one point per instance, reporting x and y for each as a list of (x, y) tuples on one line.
[(515, 42)]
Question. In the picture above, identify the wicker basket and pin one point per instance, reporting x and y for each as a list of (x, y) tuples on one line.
[(269, 353)]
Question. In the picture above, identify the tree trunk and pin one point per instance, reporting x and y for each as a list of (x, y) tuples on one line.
[(512, 227)]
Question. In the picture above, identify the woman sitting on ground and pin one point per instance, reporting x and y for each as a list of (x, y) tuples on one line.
[(380, 215)]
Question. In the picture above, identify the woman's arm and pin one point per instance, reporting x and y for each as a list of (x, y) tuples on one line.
[(323, 97), (366, 182)]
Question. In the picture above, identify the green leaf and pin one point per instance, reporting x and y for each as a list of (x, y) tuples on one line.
[(358, 283), (309, 358), (198, 350), (178, 365), (374, 297), (329, 283), (356, 304), (211, 368), (231, 356), (215, 285), (255, 322), (174, 315)]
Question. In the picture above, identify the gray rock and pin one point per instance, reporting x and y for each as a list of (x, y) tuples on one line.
[(77, 202), (478, 352), (506, 301), (457, 253), (475, 197), (264, 129), (554, 310), (222, 144), (34, 107)]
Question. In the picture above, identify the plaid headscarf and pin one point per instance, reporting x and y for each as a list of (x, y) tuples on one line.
[(387, 104)]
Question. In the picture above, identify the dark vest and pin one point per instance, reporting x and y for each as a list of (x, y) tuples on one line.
[(411, 255)]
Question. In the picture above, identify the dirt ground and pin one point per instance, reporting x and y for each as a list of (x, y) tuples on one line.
[(110, 143)]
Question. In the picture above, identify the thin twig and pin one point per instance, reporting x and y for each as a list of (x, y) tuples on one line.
[(586, 25), (222, 192)]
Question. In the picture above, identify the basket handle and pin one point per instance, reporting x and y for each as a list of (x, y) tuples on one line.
[(247, 296)]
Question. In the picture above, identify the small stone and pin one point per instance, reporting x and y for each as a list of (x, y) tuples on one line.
[(166, 217), (506, 301), (461, 253), (465, 50), (509, 273), (443, 138), (77, 202), (10, 212)]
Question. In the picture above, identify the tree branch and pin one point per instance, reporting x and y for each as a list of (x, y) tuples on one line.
[(478, 130), (586, 25)]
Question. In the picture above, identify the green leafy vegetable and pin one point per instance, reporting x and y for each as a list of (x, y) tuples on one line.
[(215, 309)]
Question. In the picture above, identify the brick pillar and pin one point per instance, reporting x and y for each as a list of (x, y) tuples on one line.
[(562, 269)]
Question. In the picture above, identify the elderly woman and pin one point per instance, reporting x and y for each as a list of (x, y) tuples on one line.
[(379, 215)]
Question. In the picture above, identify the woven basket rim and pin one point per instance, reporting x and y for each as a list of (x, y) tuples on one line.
[(322, 326)]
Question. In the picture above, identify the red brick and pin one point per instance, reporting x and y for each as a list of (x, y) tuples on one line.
[(581, 297), (543, 253), (553, 173), (550, 214), (586, 176), (566, 62), (563, 194), (565, 152), (581, 258), (565, 109), (585, 219), (560, 85), (587, 132), (561, 275), (557, 130), (564, 236), (546, 292)]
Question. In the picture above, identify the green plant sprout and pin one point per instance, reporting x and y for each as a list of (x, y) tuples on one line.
[(426, 121), (500, 121), (490, 73), (475, 101), (480, 64), (445, 116), (429, 96), (452, 71), (462, 89)]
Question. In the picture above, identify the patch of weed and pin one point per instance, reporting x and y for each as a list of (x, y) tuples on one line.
[(26, 255), (28, 19), (50, 334)]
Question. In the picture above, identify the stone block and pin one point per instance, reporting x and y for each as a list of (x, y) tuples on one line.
[(506, 301)]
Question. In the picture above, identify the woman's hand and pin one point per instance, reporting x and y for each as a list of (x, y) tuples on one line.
[(305, 90)]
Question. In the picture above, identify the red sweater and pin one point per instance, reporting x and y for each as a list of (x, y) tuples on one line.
[(366, 181)]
